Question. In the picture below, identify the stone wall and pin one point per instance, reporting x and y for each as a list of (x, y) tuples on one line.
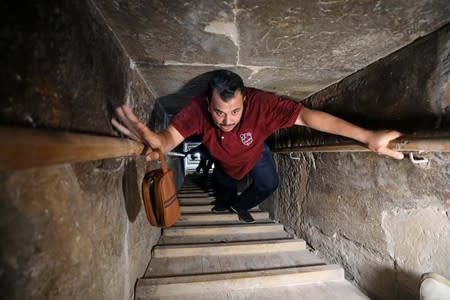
[(385, 221), (70, 231), (287, 47)]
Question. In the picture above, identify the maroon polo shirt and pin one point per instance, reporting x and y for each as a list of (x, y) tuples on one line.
[(238, 151)]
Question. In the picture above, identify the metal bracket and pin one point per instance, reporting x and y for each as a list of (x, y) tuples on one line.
[(417, 161), (176, 154), (294, 157)]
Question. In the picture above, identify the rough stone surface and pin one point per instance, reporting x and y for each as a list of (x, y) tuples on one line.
[(79, 231), (74, 231), (181, 83), (181, 31), (409, 232), (411, 94), (294, 50), (64, 237), (328, 36), (385, 221)]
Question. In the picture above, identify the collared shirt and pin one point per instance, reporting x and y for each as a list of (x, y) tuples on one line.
[(238, 151)]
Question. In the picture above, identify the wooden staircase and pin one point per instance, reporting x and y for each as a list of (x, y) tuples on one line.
[(215, 256)]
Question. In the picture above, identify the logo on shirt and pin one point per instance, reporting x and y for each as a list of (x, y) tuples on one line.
[(246, 138)]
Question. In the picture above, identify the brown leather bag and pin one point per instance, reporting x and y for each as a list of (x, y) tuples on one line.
[(160, 196)]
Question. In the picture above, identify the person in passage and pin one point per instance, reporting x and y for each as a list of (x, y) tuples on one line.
[(233, 122), (206, 161)]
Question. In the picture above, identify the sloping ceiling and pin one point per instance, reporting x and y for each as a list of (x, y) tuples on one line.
[(293, 48)]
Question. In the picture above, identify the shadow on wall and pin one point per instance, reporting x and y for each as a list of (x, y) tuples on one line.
[(395, 284), (131, 190), (172, 103)]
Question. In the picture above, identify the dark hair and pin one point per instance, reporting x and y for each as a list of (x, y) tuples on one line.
[(226, 83)]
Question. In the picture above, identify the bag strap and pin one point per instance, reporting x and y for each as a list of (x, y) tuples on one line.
[(149, 208), (163, 161)]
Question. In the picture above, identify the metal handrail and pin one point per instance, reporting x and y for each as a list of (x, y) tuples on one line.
[(403, 144)]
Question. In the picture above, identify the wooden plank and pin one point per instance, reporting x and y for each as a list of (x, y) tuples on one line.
[(198, 218), (193, 195), (185, 209), (308, 273), (194, 198), (207, 192), (223, 238), (196, 201), (225, 230), (176, 266), (201, 284), (229, 248), (331, 290), (192, 188), (28, 148), (189, 209), (232, 221), (196, 189), (170, 266)]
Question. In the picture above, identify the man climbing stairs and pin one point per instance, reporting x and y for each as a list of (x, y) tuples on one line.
[(215, 256)]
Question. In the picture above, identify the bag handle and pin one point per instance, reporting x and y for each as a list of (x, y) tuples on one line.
[(162, 160)]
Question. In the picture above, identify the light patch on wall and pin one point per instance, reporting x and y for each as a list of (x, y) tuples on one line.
[(228, 29), (418, 239)]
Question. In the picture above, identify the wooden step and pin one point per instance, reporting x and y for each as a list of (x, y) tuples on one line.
[(222, 230), (219, 218), (211, 264), (183, 191), (192, 195), (215, 256), (148, 288), (196, 201), (231, 221), (331, 290), (195, 188), (188, 209), (191, 186), (223, 238), (214, 249)]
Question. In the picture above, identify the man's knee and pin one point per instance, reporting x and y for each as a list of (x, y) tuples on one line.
[(222, 181), (269, 185)]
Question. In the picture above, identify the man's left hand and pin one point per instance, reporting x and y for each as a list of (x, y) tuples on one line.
[(379, 141)]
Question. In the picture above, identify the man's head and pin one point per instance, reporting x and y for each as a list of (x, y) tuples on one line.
[(226, 99)]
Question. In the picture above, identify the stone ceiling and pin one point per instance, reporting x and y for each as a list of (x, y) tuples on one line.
[(293, 48)]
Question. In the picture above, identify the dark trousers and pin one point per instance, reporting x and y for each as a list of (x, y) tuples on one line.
[(265, 182)]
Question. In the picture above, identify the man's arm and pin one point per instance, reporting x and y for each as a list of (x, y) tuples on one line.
[(376, 141), (165, 140)]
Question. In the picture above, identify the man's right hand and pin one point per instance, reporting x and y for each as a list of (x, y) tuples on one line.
[(136, 130), (166, 140)]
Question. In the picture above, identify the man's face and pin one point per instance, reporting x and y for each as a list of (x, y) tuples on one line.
[(226, 115)]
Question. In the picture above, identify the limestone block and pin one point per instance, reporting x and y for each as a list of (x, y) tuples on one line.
[(418, 240), (330, 36), (177, 31)]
